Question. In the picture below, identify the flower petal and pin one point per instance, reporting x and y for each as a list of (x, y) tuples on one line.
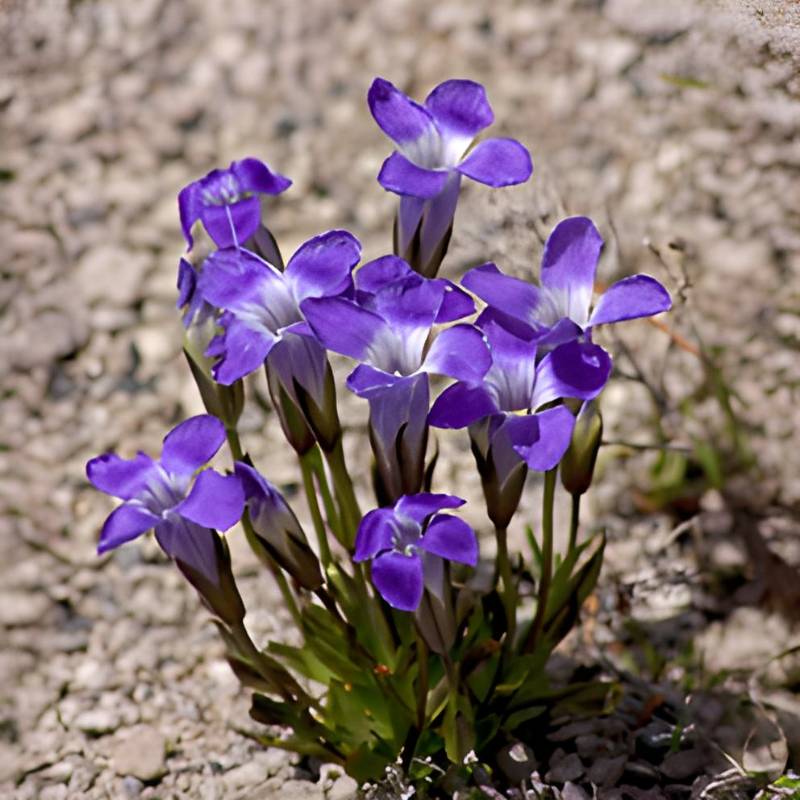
[(192, 444), (460, 107), (241, 350), (451, 538), (187, 283), (460, 405), (255, 176), (543, 445), (343, 326), (497, 162), (420, 506), (368, 382), (460, 352), (510, 295), (215, 501), (375, 534), (438, 217), (576, 369), (190, 543), (380, 273), (456, 303), (120, 477), (123, 524), (409, 216), (569, 263), (236, 279), (231, 225), (189, 206), (399, 117), (322, 266), (630, 298), (398, 578), (403, 177)]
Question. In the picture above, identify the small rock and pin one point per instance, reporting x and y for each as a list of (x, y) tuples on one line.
[(572, 791), (141, 753), (245, 775), (18, 609), (607, 771), (97, 722), (517, 762), (569, 768), (132, 786), (344, 788), (684, 764)]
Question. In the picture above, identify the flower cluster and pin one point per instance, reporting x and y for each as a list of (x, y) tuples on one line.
[(519, 364)]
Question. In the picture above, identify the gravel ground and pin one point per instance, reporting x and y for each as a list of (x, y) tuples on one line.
[(674, 125)]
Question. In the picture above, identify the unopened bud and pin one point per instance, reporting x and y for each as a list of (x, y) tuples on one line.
[(577, 465)]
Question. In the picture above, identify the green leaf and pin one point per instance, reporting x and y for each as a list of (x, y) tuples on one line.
[(518, 718), (302, 660), (367, 764), (458, 729)]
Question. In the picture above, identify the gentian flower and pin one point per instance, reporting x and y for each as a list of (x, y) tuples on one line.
[(226, 201), (387, 327), (260, 304), (560, 309), (163, 496), (406, 540), (426, 169), (506, 427)]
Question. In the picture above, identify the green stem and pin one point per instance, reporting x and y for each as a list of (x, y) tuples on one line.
[(503, 567), (234, 443), (422, 682), (307, 470), (547, 559), (345, 494), (334, 516), (574, 521)]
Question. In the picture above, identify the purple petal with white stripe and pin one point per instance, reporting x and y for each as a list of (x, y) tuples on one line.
[(399, 579), (402, 176), (399, 117), (497, 162), (323, 265), (193, 443), (451, 538), (215, 501), (231, 225), (123, 524), (569, 264), (631, 298), (120, 477)]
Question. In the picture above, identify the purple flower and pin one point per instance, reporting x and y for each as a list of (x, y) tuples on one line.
[(196, 311), (261, 304), (561, 306), (426, 169), (387, 328), (515, 382), (405, 540), (161, 494), (226, 201), (388, 325)]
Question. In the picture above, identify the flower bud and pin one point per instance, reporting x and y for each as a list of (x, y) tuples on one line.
[(577, 465), (303, 391), (277, 529)]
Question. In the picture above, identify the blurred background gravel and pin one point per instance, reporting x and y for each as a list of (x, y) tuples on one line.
[(674, 124)]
